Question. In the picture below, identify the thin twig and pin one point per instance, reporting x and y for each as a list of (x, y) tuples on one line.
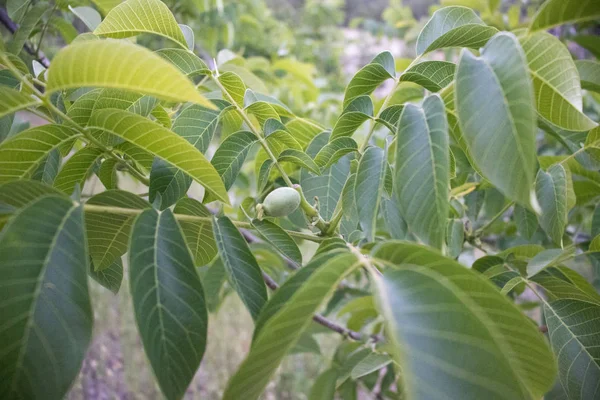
[(12, 27)]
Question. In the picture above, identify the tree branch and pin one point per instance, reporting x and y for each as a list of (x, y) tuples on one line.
[(12, 27)]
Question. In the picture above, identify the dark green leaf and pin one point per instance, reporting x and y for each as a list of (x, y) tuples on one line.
[(432, 75), (551, 191), (279, 239), (381, 68), (368, 188), (110, 277)]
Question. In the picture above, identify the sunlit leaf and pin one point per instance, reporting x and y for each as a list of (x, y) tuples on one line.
[(110, 63), (77, 169), (141, 16), (162, 143), (299, 158), (198, 234), (558, 12), (13, 100)]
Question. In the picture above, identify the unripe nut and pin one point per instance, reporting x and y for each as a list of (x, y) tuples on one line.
[(281, 202)]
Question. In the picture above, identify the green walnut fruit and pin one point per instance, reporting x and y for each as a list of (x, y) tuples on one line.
[(281, 202)]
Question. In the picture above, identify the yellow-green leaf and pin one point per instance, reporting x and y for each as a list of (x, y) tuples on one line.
[(117, 64)]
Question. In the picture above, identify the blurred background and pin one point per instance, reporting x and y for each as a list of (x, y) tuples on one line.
[(303, 52)]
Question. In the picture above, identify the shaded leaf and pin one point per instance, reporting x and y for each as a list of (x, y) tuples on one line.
[(495, 104), (334, 150), (558, 12), (241, 266), (110, 277), (368, 189), (589, 72), (77, 169), (231, 154), (198, 234), (551, 191), (370, 76), (44, 300), (279, 239), (357, 111), (432, 75), (168, 301), (299, 158), (422, 162)]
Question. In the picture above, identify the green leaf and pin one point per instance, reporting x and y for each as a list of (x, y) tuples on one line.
[(198, 234), (13, 100), (324, 386), (16, 9), (17, 194), (26, 27), (299, 158), (574, 335), (48, 169), (453, 26), (455, 237), (373, 362), (108, 234), (234, 86), (564, 283), (196, 124), (284, 328), (589, 42), (334, 150), (77, 169), (589, 72), (526, 221), (163, 143), (368, 188), (89, 16), (355, 113), (555, 82), (432, 75), (547, 258), (262, 111), (45, 305), (241, 266), (369, 77), (551, 191), (21, 155), (168, 301), (396, 225), (303, 130), (187, 62), (141, 16), (328, 186), (110, 277), (445, 322), (422, 162), (558, 12), (231, 154), (495, 104), (279, 239), (115, 64), (107, 173)]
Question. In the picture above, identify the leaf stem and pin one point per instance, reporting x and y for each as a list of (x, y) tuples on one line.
[(191, 218)]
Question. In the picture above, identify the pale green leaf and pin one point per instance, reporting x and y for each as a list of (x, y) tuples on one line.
[(432, 75), (328, 186), (369, 77), (445, 322), (21, 155), (455, 237), (564, 283), (495, 105), (262, 111), (368, 188), (198, 234), (168, 301), (234, 87), (335, 150), (453, 26), (13, 100), (574, 334), (279, 239), (299, 158), (547, 258), (373, 362), (354, 115), (422, 178), (324, 386), (589, 73), (526, 221), (551, 191), (231, 154), (107, 173), (558, 12), (185, 61), (396, 225), (90, 17), (108, 233), (141, 16), (280, 332), (77, 169), (163, 143), (555, 82), (303, 130), (116, 64), (16, 9), (241, 266), (45, 304)]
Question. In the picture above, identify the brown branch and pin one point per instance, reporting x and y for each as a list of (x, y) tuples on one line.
[(12, 27)]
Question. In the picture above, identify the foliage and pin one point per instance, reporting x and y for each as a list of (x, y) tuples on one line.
[(490, 157)]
